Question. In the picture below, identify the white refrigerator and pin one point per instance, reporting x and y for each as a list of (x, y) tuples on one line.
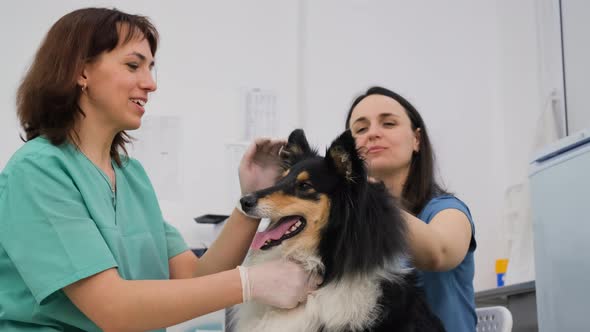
[(560, 202)]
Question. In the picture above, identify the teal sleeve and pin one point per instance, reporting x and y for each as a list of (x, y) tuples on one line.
[(45, 227), (174, 240), (449, 202)]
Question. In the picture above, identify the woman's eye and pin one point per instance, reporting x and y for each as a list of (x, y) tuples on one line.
[(389, 124), (132, 65), (360, 130)]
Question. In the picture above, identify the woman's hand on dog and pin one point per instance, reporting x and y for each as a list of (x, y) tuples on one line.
[(260, 166), (282, 284)]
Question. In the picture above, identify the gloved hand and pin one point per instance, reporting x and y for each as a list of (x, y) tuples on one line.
[(260, 165), (282, 284)]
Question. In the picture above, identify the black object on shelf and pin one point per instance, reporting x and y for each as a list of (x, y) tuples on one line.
[(211, 218)]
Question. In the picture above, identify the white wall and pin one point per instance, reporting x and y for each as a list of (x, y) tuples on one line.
[(469, 68), (576, 25), (521, 102), (210, 54), (445, 64)]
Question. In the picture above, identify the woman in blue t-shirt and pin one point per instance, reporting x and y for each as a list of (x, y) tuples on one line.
[(392, 137)]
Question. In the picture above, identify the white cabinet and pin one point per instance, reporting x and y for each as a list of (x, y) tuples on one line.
[(560, 196)]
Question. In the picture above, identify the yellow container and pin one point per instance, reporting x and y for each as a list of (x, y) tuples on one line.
[(501, 268), (501, 265)]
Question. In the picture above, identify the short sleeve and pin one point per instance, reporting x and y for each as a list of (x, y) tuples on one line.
[(174, 240), (441, 203), (45, 227)]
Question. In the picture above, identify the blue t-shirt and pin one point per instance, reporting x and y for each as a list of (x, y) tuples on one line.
[(450, 294)]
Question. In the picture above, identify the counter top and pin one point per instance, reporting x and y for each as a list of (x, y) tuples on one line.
[(505, 291)]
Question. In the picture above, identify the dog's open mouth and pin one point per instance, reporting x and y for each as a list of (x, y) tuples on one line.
[(279, 231)]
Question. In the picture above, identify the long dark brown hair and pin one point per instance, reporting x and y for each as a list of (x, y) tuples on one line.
[(47, 99), (421, 185)]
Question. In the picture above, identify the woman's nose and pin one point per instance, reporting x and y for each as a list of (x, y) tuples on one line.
[(148, 83), (373, 132)]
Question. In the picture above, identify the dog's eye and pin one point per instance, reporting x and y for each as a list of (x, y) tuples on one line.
[(304, 186)]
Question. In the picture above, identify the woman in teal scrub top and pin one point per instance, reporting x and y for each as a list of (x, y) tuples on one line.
[(83, 244), (393, 138)]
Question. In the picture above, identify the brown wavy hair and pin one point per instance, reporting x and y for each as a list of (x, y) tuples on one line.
[(47, 99), (421, 185)]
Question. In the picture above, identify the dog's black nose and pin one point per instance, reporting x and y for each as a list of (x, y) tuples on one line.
[(248, 202)]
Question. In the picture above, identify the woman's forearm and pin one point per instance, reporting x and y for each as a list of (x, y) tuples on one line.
[(116, 304), (231, 246)]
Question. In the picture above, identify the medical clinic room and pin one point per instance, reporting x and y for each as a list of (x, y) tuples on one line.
[(295, 166)]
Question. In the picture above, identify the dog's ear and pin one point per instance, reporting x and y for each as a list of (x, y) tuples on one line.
[(296, 149), (344, 157)]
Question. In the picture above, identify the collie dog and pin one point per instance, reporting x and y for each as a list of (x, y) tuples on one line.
[(327, 216)]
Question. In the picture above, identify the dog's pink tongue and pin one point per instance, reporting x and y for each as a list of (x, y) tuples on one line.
[(274, 234)]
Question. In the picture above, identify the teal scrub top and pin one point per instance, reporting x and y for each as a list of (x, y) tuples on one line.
[(61, 222)]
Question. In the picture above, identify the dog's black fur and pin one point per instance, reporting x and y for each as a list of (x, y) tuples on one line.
[(363, 235)]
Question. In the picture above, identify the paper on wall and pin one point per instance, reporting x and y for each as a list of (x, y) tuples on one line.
[(519, 232), (261, 115), (157, 148)]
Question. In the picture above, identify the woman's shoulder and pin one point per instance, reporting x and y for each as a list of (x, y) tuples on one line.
[(446, 199), (36, 152), (443, 202), (36, 159), (131, 165), (133, 170)]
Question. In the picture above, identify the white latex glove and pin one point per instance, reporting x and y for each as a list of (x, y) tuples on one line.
[(260, 165), (279, 283)]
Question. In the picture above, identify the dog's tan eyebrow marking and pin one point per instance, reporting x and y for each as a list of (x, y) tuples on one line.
[(279, 199), (285, 173), (303, 176)]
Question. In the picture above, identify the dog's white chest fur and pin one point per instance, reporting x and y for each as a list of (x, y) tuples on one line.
[(349, 304)]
